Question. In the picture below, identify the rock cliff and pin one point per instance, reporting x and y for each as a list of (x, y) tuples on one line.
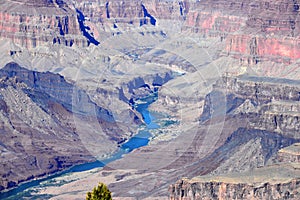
[(48, 125), (275, 182), (256, 168), (139, 46), (268, 103), (269, 31), (34, 23)]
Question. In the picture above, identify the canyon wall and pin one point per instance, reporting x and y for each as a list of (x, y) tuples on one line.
[(48, 125), (289, 154), (31, 24), (190, 190), (267, 103), (269, 106), (277, 181), (253, 31)]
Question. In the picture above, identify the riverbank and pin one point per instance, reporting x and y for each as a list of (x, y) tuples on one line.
[(142, 138)]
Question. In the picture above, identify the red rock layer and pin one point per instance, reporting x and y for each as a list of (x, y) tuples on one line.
[(254, 31), (253, 49), (31, 25)]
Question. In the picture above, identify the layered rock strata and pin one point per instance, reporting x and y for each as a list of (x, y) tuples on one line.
[(267, 103), (268, 32), (290, 154), (48, 125), (275, 182), (31, 24)]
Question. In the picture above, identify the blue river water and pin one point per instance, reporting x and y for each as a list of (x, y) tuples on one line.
[(139, 140)]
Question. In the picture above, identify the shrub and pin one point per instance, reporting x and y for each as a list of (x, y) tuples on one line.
[(101, 192)]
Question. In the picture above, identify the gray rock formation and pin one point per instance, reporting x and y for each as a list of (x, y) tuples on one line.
[(138, 47), (39, 135), (275, 182), (267, 103), (260, 162)]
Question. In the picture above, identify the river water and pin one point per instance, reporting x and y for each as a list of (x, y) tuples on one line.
[(28, 190)]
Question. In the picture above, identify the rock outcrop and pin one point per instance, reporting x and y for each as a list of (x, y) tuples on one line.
[(47, 125), (268, 32), (142, 45), (267, 103), (34, 23), (289, 154), (275, 182), (257, 167)]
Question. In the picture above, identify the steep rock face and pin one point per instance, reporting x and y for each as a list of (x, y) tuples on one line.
[(48, 125), (267, 169), (278, 17), (133, 10), (192, 190), (31, 23), (252, 49), (57, 88), (212, 24), (267, 103), (59, 3), (253, 31), (277, 181), (246, 150)]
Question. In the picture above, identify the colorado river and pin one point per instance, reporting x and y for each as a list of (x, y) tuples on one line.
[(27, 190)]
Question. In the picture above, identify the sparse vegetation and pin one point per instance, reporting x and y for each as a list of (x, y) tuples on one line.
[(101, 192)]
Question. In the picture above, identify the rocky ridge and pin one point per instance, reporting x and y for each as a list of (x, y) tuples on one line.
[(261, 175), (276, 182), (268, 103), (42, 131)]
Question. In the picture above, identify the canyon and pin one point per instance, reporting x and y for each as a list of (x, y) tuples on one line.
[(36, 113), (227, 76), (262, 174)]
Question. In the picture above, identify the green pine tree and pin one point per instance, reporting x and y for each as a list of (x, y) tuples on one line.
[(101, 192)]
